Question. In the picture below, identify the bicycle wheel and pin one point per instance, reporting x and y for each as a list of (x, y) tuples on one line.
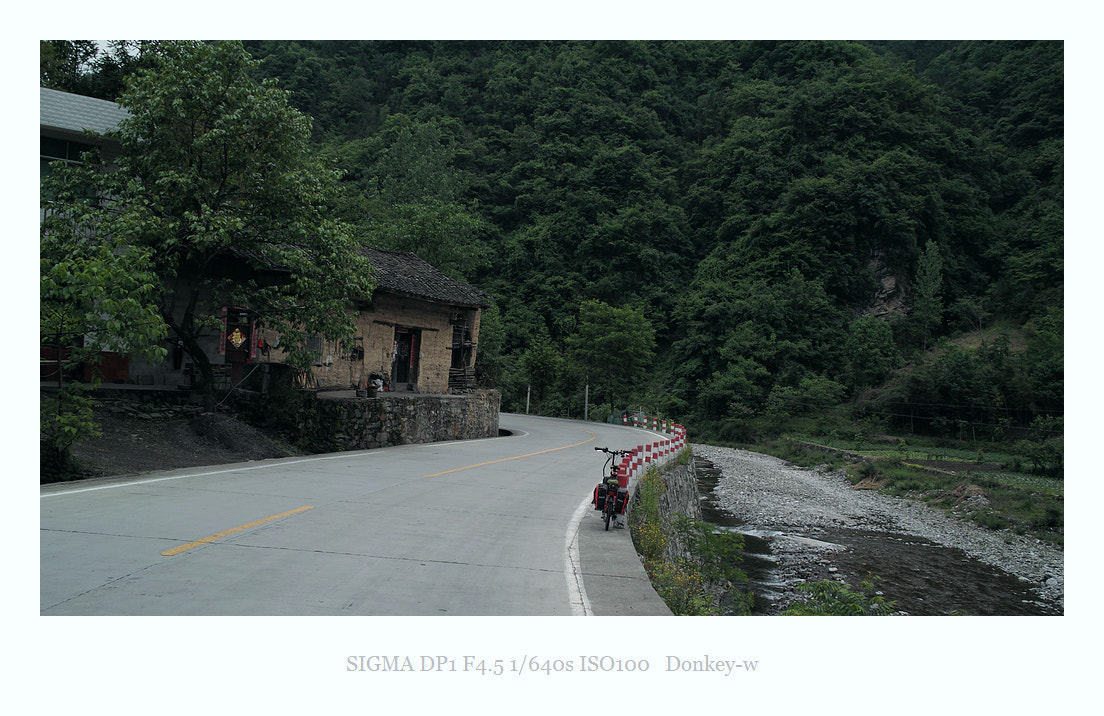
[(607, 513)]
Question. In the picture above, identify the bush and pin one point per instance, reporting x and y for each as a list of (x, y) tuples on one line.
[(991, 520), (65, 419), (682, 588), (718, 552), (644, 518), (831, 598)]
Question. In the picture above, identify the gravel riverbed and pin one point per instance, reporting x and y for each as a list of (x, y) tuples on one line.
[(819, 526)]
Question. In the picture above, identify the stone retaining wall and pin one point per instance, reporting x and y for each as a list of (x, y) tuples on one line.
[(681, 494), (365, 423), (679, 499), (317, 422), (334, 424)]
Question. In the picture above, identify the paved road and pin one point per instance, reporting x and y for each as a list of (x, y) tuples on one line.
[(486, 527)]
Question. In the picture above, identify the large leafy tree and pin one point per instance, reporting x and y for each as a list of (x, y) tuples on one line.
[(928, 309), (541, 365), (870, 351), (742, 338), (217, 182), (613, 347), (62, 63)]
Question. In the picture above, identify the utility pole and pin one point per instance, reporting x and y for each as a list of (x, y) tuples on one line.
[(528, 390), (586, 402)]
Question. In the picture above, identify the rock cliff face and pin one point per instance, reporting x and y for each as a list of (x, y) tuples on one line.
[(892, 295)]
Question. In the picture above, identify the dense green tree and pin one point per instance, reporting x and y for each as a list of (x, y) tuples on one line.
[(405, 193), (927, 312), (88, 68), (541, 365), (1013, 95), (836, 158), (613, 348), (1043, 361), (973, 393), (742, 338), (64, 64), (870, 350), (812, 392)]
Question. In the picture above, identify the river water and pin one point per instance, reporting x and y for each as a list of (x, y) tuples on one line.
[(921, 577)]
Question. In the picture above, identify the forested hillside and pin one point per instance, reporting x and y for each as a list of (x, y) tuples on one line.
[(756, 229)]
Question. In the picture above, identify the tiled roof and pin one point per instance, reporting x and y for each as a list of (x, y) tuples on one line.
[(76, 113), (406, 273)]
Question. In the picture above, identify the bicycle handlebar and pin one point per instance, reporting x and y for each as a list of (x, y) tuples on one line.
[(613, 452)]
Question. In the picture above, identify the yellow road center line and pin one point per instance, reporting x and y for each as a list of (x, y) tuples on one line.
[(185, 547), (518, 457)]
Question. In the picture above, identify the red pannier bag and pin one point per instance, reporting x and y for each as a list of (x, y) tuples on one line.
[(599, 496), (622, 500)]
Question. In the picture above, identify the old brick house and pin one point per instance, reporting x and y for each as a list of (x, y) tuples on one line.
[(418, 332)]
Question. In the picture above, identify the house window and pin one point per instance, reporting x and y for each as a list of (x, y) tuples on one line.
[(356, 355), (315, 346), (52, 149)]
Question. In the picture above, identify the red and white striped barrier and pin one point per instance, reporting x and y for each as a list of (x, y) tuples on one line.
[(658, 452)]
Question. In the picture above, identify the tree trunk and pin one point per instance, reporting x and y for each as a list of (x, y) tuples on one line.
[(190, 342)]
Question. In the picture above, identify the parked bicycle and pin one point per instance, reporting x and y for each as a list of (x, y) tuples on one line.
[(609, 496)]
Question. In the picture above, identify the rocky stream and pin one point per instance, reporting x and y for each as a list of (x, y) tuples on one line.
[(811, 524)]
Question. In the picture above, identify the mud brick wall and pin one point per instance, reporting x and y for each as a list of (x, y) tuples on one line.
[(376, 331)]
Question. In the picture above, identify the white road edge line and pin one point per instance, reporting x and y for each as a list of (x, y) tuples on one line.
[(576, 592), (348, 455), (239, 468)]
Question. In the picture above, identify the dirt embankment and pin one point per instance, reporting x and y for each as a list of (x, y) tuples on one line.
[(136, 442)]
